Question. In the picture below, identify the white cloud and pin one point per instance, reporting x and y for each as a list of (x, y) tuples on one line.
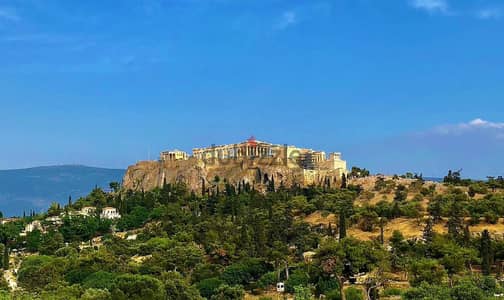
[(289, 18), (8, 15), (489, 13), (431, 6), (496, 128)]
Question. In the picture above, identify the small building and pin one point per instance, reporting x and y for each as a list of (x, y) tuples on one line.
[(280, 287), (30, 227), (55, 220), (173, 155), (110, 213), (88, 211)]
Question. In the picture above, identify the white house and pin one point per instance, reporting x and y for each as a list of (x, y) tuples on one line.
[(31, 227), (55, 220), (88, 210), (110, 213)]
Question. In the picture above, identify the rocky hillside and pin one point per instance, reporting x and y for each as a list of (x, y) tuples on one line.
[(150, 174)]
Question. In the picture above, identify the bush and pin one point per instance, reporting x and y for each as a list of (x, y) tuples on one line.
[(138, 287), (391, 292), (297, 278), (267, 280), (99, 280), (96, 294), (352, 293), (226, 292), (207, 287), (333, 295)]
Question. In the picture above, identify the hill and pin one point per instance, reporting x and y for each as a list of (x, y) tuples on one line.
[(35, 188)]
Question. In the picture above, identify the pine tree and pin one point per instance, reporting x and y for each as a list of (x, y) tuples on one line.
[(203, 190), (486, 253), (70, 200), (342, 225), (329, 229)]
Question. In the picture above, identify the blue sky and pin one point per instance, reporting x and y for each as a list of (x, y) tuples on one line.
[(395, 85)]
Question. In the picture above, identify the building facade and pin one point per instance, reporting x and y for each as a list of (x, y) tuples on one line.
[(252, 149)]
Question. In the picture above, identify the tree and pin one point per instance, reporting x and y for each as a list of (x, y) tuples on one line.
[(486, 252), (343, 181), (428, 232), (426, 270), (138, 287), (401, 193), (96, 294), (467, 290), (5, 262), (115, 186), (382, 222), (342, 225), (455, 220), (226, 292), (176, 287), (302, 293)]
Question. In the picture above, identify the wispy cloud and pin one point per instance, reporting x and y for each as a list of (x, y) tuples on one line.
[(289, 18), (431, 6), (493, 128), (489, 13), (9, 14)]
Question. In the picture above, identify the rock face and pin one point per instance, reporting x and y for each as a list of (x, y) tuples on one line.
[(148, 175)]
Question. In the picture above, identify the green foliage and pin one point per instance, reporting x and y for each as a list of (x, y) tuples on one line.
[(298, 278), (134, 219), (76, 228), (96, 294), (208, 287), (426, 291), (226, 292), (99, 280), (352, 293), (244, 272), (38, 271), (138, 287), (302, 293), (426, 270)]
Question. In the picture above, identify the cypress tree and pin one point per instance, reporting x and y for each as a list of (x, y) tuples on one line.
[(383, 221), (486, 253), (342, 225), (6, 257), (428, 232), (455, 223), (343, 181)]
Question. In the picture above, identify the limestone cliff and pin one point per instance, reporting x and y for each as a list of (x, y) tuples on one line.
[(193, 172)]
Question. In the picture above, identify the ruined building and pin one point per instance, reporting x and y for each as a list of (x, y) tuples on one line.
[(251, 161)]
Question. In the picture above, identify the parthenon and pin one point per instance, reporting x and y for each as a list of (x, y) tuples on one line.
[(253, 149)]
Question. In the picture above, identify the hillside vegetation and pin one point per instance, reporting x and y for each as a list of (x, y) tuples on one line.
[(373, 237)]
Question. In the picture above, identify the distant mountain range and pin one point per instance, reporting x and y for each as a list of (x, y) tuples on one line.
[(35, 188)]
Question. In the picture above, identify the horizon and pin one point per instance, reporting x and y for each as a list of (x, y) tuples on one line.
[(405, 85)]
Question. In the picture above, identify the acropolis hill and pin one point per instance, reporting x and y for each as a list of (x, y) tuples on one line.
[(251, 161)]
